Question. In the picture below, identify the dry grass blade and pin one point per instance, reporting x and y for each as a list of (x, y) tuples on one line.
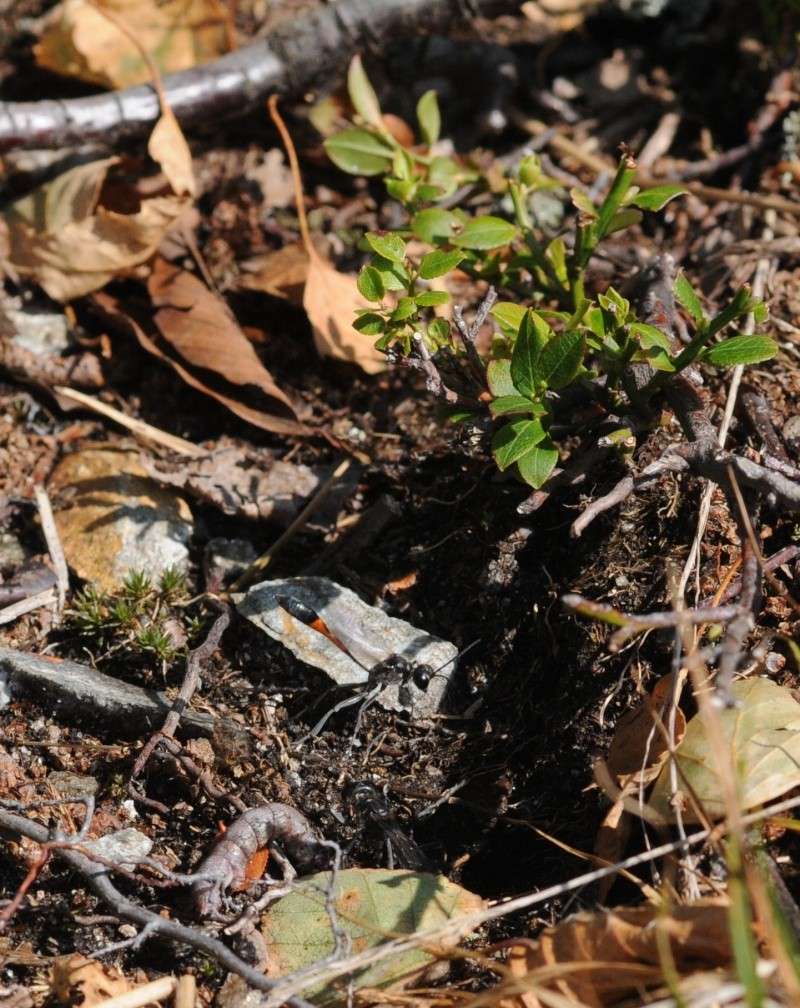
[(138, 428)]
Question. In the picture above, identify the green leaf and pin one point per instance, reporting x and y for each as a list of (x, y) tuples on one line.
[(426, 192), (582, 202), (403, 164), (406, 307), (762, 735), (556, 253), (560, 359), (371, 904), (403, 190), (657, 197), (516, 439), (429, 118), (485, 233), (535, 467), (533, 334), (649, 336), (389, 246), (444, 172), (370, 284), (433, 225), (439, 332), (359, 152), (741, 350), (498, 378), (370, 323), (687, 297), (508, 316), (429, 299), (437, 263), (362, 94), (624, 218), (394, 275), (461, 416), (504, 405)]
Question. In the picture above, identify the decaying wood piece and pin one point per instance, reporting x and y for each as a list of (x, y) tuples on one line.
[(298, 54)]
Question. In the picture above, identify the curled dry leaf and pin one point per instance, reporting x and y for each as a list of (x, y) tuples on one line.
[(202, 333), (167, 145), (331, 300), (597, 959), (282, 273), (89, 979), (78, 41), (67, 238), (637, 753)]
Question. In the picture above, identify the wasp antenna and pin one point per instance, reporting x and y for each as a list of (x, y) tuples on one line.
[(455, 657)]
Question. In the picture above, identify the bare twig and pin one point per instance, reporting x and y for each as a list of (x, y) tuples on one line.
[(53, 544), (138, 428), (11, 612), (155, 991), (194, 662), (103, 887), (300, 53)]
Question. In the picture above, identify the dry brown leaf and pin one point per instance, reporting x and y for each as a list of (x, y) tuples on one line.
[(282, 273), (638, 747), (78, 41), (91, 981), (203, 334), (596, 959), (62, 237), (331, 300)]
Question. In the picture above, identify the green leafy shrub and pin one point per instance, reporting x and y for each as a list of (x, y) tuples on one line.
[(550, 332)]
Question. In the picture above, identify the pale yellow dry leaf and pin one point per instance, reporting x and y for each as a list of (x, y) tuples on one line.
[(167, 145), (331, 300), (60, 237), (83, 255), (92, 981), (78, 41)]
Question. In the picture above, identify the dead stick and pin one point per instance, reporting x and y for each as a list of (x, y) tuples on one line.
[(194, 663), (102, 886), (299, 54)]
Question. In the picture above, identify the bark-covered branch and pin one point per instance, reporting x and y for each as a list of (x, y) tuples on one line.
[(299, 54), (98, 880)]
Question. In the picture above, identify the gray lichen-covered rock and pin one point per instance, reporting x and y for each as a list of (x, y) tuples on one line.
[(368, 633)]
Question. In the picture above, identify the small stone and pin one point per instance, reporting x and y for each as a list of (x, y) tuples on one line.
[(12, 553), (370, 635), (72, 785), (115, 519), (125, 847)]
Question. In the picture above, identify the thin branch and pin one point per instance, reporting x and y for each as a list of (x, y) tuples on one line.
[(299, 54), (53, 541), (103, 887), (194, 663)]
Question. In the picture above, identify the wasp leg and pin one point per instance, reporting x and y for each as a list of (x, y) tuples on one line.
[(347, 702)]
